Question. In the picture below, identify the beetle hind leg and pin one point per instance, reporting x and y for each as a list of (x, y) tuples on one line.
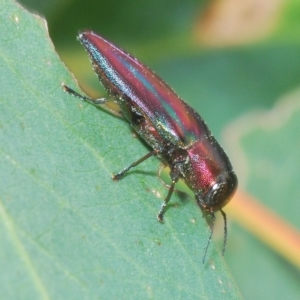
[(96, 102)]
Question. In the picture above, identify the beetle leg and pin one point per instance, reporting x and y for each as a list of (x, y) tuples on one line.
[(119, 175), (99, 101), (160, 216), (174, 176)]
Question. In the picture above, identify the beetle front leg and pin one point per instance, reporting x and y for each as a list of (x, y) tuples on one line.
[(174, 176), (119, 175)]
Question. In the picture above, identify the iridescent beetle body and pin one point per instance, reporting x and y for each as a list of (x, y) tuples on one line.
[(173, 129)]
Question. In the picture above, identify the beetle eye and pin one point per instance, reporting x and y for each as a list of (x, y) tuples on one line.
[(220, 193)]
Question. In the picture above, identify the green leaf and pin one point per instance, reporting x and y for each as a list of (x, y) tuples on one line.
[(67, 230)]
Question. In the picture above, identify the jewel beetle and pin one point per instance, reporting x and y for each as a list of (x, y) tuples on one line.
[(175, 132)]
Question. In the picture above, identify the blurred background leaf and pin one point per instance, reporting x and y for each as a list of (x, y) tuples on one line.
[(231, 60)]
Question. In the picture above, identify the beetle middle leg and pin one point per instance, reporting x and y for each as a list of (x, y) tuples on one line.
[(119, 175)]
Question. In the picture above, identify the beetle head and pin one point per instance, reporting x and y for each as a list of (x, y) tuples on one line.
[(219, 193)]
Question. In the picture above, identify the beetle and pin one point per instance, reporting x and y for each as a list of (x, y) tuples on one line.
[(176, 132)]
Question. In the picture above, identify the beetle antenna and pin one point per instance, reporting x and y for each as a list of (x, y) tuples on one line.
[(225, 231), (210, 236)]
